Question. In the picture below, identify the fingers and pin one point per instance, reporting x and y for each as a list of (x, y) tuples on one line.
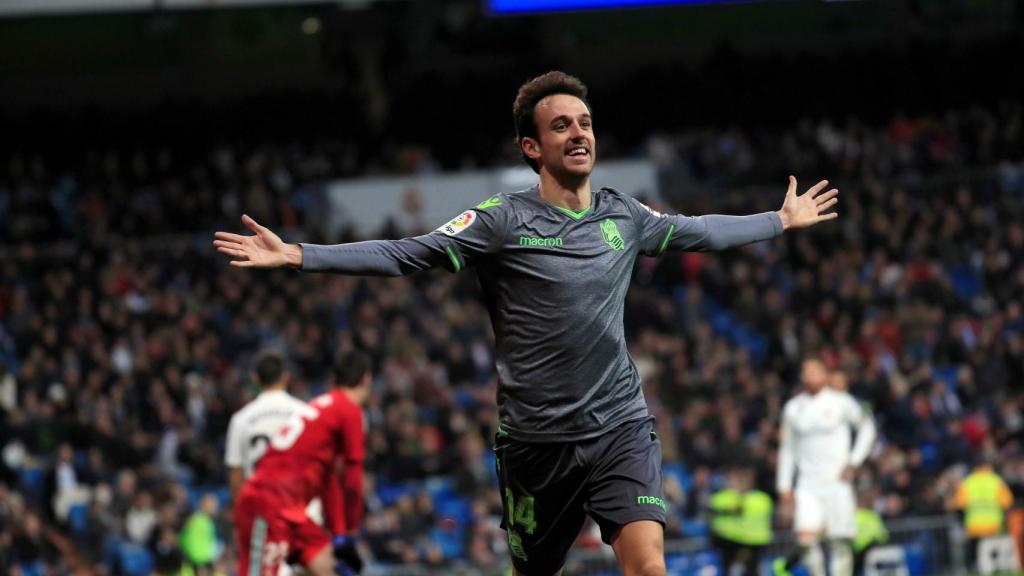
[(229, 237), (792, 186), (827, 205), (233, 252), (241, 263), (233, 249), (228, 244), (827, 217), (821, 199), (813, 191), (252, 224)]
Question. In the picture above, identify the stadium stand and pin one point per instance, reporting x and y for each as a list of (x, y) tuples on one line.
[(126, 339)]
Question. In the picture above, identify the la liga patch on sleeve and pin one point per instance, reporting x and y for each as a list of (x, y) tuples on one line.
[(459, 223)]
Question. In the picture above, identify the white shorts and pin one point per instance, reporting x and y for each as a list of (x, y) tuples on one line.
[(827, 509)]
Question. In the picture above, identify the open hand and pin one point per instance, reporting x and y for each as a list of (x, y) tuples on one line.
[(264, 250), (807, 209)]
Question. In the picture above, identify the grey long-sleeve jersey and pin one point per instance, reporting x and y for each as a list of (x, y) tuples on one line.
[(554, 282)]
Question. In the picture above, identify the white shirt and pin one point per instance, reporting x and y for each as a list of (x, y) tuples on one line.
[(67, 479), (139, 524), (251, 427), (816, 438)]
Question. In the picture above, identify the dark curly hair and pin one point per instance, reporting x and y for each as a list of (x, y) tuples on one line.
[(535, 90), (350, 367), (269, 366)]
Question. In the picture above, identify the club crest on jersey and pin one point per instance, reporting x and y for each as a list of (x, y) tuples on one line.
[(611, 234), (459, 223)]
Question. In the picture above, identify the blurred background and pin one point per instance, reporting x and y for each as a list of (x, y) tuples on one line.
[(131, 129)]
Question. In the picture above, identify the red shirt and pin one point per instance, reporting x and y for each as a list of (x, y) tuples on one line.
[(302, 462)]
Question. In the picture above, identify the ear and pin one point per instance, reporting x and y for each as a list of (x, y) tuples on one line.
[(530, 147)]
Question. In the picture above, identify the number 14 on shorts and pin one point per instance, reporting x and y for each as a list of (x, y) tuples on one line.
[(521, 512)]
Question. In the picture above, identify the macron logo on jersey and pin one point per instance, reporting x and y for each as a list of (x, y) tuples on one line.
[(459, 223), (531, 241)]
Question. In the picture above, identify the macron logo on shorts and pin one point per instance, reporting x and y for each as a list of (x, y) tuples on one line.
[(652, 500)]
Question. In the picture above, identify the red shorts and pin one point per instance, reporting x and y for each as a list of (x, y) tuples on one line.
[(272, 531)]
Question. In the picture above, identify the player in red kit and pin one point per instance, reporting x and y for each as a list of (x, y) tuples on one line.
[(301, 464)]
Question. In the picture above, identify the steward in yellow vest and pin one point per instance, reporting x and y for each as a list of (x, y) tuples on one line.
[(741, 521), (983, 498), (871, 531)]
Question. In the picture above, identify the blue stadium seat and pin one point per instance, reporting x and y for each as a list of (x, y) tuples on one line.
[(678, 472), (947, 374), (111, 550), (966, 282), (195, 494), (454, 507), (223, 493), (693, 564), (675, 564), (440, 486), (390, 493), (78, 518), (490, 459), (464, 399), (723, 323), (694, 528), (32, 569), (755, 345), (135, 560), (929, 454), (707, 558), (184, 477), (32, 479), (449, 541), (917, 560)]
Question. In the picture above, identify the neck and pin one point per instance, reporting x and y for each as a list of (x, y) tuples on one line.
[(356, 395), (567, 192), (275, 388)]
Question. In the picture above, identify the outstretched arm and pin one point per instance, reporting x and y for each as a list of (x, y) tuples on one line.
[(719, 232), (265, 249), (472, 235)]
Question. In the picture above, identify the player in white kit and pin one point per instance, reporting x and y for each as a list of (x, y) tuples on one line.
[(816, 447), (251, 427)]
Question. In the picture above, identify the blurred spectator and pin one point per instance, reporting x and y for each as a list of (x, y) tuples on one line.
[(62, 487), (167, 556), (141, 519), (31, 547)]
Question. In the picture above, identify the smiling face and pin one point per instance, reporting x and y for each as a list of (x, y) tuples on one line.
[(565, 143)]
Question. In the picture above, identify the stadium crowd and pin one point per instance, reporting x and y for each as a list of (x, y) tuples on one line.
[(125, 341)]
